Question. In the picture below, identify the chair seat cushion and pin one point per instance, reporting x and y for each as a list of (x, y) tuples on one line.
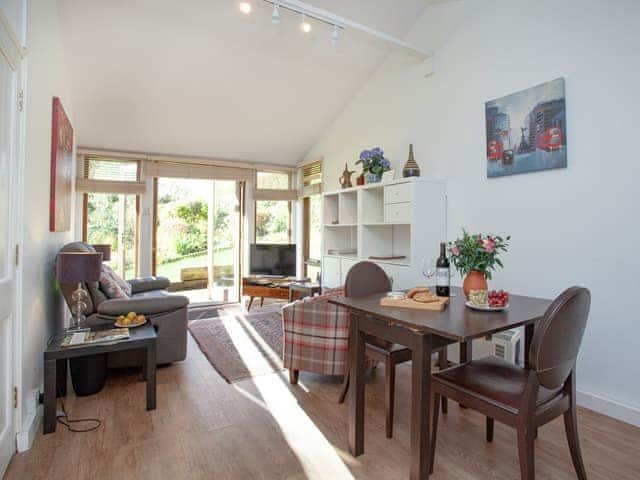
[(494, 380)]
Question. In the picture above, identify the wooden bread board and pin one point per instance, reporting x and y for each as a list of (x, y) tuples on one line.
[(411, 303)]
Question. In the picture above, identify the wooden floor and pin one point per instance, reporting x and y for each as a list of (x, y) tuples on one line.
[(263, 428)]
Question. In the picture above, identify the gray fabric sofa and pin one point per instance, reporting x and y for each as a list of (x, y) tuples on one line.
[(149, 296)]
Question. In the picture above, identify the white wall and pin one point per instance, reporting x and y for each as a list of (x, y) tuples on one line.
[(41, 305), (573, 226)]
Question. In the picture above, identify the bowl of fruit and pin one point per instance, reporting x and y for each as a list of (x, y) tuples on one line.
[(488, 301), (130, 320)]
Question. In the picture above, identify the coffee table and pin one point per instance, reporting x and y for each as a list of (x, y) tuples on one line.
[(55, 366)]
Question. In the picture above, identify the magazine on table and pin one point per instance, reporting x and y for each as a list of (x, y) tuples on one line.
[(91, 338)]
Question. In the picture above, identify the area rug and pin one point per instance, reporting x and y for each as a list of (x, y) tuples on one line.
[(241, 344)]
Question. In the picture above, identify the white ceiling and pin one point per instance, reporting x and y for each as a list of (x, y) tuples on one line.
[(196, 77)]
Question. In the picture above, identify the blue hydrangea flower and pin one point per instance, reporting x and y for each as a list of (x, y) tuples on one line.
[(365, 155), (385, 163), (377, 152)]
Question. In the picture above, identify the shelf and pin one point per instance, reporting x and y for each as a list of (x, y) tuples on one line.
[(382, 224), (353, 256), (332, 225)]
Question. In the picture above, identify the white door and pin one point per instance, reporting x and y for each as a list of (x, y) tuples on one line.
[(7, 271)]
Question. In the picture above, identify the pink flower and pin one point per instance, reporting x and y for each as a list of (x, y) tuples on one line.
[(455, 251), (490, 245)]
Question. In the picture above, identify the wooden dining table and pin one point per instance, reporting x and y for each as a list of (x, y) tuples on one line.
[(423, 332)]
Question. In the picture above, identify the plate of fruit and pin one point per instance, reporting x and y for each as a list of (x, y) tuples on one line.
[(130, 320), (488, 301)]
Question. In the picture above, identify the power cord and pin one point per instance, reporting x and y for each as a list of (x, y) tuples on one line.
[(64, 419)]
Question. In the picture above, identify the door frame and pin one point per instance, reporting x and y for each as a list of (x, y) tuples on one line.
[(13, 54)]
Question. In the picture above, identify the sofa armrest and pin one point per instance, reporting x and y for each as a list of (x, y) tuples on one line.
[(144, 306), (146, 284)]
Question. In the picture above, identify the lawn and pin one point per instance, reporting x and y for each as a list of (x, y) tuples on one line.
[(172, 269)]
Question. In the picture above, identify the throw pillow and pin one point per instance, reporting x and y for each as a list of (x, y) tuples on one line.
[(124, 285), (112, 285)]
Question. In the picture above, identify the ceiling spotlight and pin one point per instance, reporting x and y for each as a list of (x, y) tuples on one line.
[(335, 36), (275, 16), (245, 7), (304, 25)]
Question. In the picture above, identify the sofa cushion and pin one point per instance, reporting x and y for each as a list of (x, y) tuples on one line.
[(112, 285)]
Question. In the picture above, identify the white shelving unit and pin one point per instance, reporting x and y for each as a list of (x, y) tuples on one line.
[(404, 217)]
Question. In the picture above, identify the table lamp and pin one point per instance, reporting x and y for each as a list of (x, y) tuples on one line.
[(104, 249), (78, 268)]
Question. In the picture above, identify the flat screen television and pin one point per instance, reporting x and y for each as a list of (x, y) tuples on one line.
[(274, 260)]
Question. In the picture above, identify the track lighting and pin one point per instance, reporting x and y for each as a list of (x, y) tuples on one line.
[(335, 36), (304, 25), (275, 16), (245, 7)]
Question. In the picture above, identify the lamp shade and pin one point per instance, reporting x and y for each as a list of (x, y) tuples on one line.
[(78, 267), (104, 249)]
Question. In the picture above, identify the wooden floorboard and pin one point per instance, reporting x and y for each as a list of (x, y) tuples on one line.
[(264, 428)]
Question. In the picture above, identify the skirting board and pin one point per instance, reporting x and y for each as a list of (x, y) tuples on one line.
[(609, 407), (25, 438)]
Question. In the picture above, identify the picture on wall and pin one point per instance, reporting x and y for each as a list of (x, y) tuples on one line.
[(526, 131), (61, 169)]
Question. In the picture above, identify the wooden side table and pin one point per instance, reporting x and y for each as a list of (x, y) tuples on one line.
[(303, 290), (55, 366)]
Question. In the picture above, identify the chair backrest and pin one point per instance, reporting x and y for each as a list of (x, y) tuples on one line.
[(366, 278), (557, 339)]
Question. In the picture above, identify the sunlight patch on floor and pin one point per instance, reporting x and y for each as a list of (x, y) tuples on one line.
[(316, 455)]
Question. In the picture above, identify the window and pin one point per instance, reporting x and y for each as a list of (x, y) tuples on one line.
[(111, 208), (113, 219), (311, 180), (273, 221), (313, 235), (99, 168), (272, 180), (273, 196)]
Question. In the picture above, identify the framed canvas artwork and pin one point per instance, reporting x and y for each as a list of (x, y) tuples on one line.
[(527, 131), (61, 169)]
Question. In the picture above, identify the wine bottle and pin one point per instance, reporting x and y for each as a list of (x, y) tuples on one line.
[(442, 273)]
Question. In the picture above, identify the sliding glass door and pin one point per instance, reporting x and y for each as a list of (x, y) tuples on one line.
[(196, 241)]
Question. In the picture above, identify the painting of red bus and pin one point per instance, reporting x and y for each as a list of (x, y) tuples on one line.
[(526, 131)]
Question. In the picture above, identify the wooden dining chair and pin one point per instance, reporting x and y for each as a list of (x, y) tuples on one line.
[(367, 278), (526, 398)]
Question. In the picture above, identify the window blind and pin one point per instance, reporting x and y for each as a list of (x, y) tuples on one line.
[(178, 169), (274, 186), (109, 175), (311, 178)]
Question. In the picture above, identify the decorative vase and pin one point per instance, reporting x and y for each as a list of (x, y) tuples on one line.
[(372, 178), (360, 180), (411, 168), (345, 179), (474, 280)]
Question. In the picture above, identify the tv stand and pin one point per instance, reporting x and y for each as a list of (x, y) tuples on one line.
[(267, 287)]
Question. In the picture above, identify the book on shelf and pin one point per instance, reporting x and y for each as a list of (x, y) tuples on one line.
[(92, 338), (342, 251)]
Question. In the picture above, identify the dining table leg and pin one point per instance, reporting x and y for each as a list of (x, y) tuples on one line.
[(420, 406), (356, 392)]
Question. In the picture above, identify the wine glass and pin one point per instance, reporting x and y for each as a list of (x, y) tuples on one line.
[(428, 269), (452, 273)]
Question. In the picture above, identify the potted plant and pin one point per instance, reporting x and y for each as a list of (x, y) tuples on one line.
[(373, 164), (475, 256)]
